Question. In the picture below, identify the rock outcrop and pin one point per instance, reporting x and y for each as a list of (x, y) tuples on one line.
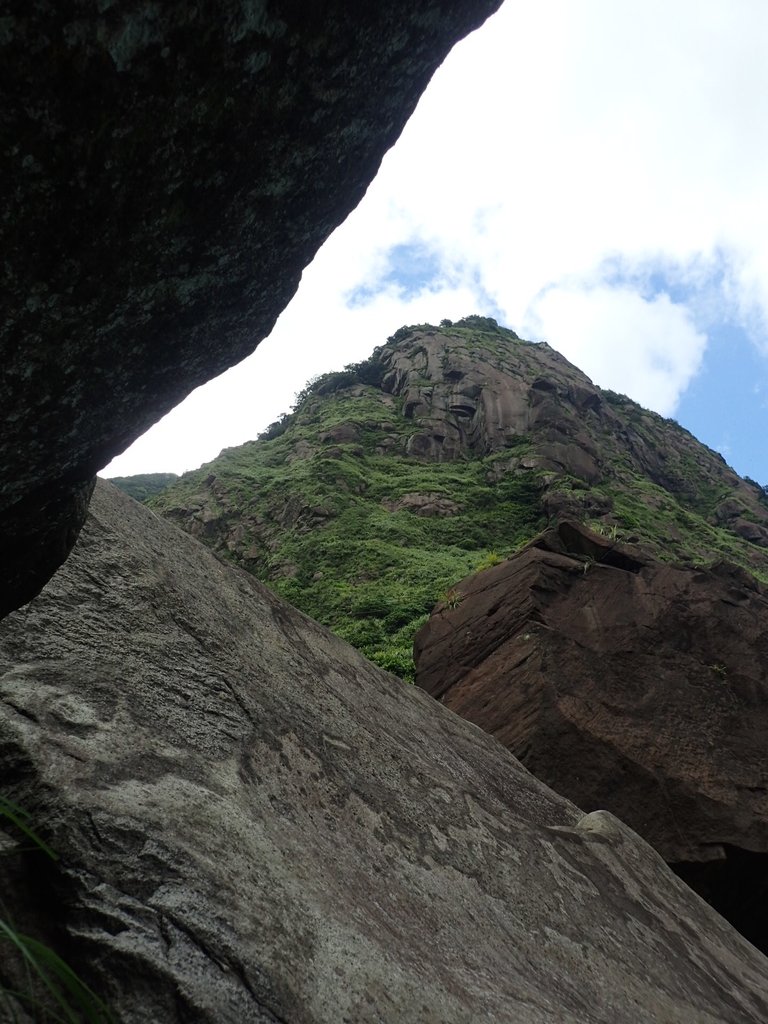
[(169, 170), (473, 393), (627, 684), (256, 824), (468, 399)]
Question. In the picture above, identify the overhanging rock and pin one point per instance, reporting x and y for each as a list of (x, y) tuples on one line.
[(625, 683), (168, 171)]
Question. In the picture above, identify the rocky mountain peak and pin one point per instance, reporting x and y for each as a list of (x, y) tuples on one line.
[(475, 388), (448, 449)]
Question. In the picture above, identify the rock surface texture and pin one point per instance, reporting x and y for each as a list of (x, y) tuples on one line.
[(168, 171), (627, 684), (255, 824)]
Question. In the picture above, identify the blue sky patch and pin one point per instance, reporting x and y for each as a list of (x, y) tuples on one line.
[(726, 404), (411, 266)]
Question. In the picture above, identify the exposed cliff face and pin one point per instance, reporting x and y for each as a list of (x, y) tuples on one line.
[(449, 448), (256, 824), (629, 684), (471, 397), (475, 395), (170, 169)]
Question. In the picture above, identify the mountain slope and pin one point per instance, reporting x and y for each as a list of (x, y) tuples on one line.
[(445, 451)]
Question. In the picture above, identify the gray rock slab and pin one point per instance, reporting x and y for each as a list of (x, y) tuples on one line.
[(256, 824)]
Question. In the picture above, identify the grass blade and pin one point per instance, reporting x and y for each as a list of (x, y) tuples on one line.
[(18, 816), (72, 996)]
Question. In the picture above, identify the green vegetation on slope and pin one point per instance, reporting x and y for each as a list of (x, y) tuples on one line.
[(682, 503), (144, 485), (374, 573), (332, 511)]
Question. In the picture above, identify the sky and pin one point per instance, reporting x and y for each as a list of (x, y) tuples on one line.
[(593, 174)]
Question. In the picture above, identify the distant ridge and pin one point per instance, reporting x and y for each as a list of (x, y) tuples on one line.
[(144, 485)]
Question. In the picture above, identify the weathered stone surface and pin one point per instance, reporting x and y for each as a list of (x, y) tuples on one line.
[(168, 171), (255, 824), (467, 402), (430, 503), (627, 684), (470, 399), (37, 537)]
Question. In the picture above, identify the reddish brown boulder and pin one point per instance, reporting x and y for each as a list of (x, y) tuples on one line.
[(628, 684)]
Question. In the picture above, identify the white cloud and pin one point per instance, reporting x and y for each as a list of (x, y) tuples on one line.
[(313, 335), (558, 142), (618, 336)]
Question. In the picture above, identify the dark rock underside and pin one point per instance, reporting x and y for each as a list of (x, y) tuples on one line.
[(736, 884), (168, 171)]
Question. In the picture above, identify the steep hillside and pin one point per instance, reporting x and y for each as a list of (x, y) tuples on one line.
[(445, 451)]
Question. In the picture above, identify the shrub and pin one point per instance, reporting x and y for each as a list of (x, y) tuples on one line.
[(400, 617), (277, 428), (483, 323), (369, 371), (614, 398), (370, 606), (404, 332), (491, 559), (398, 661)]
